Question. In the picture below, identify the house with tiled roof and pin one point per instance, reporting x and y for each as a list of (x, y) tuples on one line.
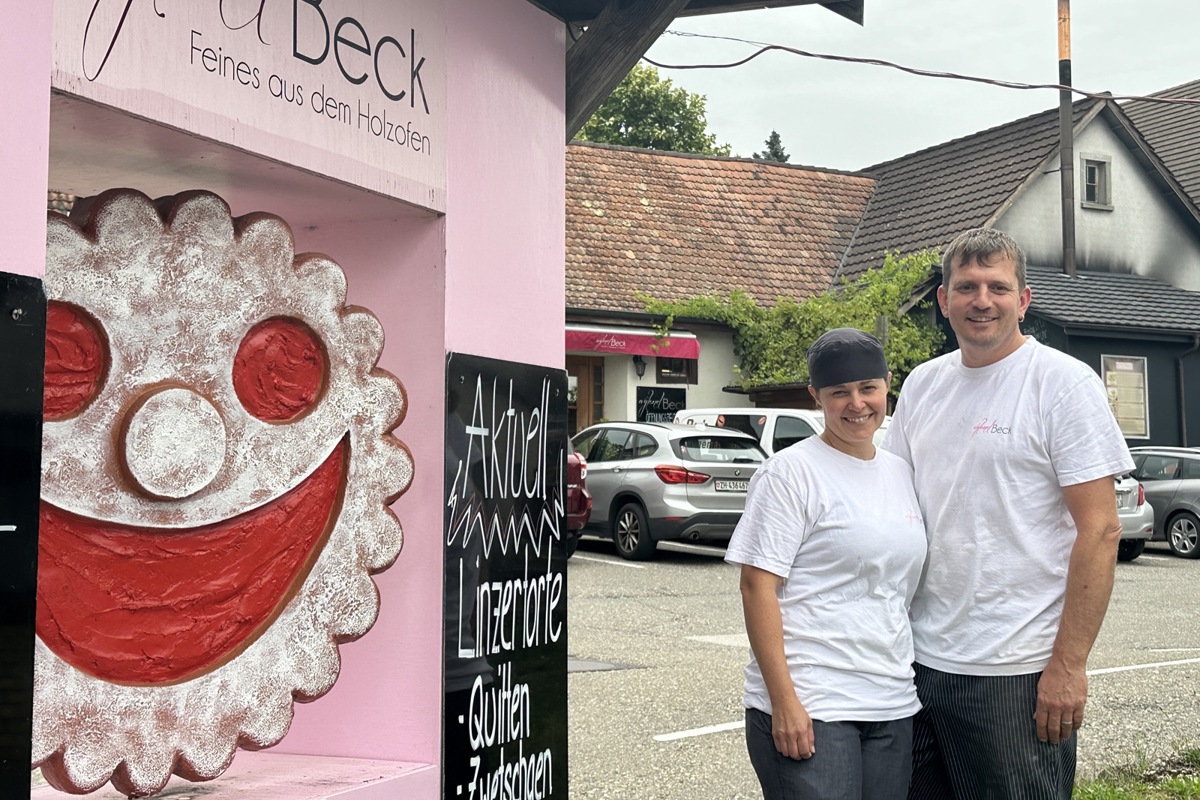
[(1131, 208), (1173, 130), (1137, 248), (675, 226)]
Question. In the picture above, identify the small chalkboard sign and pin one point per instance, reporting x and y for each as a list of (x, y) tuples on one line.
[(22, 356), (505, 588), (655, 404)]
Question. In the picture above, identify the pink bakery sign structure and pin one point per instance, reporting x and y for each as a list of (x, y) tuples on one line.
[(291, 212)]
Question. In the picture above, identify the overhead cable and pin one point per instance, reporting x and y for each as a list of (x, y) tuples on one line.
[(878, 62)]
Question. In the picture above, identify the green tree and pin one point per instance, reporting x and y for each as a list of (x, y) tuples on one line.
[(771, 342), (646, 110), (774, 151)]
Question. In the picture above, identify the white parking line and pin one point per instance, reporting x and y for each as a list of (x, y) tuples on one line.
[(725, 726), (610, 561), (732, 726), (726, 639), (695, 548), (1156, 664)]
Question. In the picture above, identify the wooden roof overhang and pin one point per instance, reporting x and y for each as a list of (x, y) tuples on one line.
[(619, 32)]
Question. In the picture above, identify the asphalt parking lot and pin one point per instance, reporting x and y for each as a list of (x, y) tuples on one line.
[(657, 651)]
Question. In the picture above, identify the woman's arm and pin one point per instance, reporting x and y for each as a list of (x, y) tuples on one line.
[(790, 723)]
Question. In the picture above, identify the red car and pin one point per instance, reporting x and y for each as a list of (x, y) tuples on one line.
[(579, 502)]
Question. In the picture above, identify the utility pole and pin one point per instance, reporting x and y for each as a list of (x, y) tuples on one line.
[(1065, 134)]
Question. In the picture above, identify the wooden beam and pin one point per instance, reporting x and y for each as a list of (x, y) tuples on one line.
[(850, 9), (608, 49)]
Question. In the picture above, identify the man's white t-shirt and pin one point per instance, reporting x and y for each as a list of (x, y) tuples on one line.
[(990, 447), (847, 537)]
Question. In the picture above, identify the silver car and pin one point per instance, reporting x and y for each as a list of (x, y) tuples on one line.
[(652, 481), (1171, 476), (1137, 518)]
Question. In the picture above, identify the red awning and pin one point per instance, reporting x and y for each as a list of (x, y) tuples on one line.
[(633, 342)]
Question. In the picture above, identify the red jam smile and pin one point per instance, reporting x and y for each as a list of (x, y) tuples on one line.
[(148, 605)]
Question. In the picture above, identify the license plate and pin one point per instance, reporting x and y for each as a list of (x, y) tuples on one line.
[(731, 486)]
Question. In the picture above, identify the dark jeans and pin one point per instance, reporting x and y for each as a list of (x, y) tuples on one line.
[(853, 761), (976, 738)]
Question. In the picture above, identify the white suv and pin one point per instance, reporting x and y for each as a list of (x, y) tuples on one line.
[(775, 428)]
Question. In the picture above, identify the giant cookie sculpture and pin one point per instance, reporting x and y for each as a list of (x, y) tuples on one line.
[(216, 472)]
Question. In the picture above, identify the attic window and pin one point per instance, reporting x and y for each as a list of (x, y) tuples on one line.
[(1095, 177)]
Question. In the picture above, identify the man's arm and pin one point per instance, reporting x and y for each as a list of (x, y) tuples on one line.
[(791, 726), (1062, 691)]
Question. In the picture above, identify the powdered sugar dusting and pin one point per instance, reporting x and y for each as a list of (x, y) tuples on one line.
[(174, 300)]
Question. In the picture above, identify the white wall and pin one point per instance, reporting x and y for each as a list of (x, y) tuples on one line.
[(715, 371), (717, 363), (1142, 234)]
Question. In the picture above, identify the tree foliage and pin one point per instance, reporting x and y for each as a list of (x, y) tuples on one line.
[(774, 150), (771, 343), (646, 110)]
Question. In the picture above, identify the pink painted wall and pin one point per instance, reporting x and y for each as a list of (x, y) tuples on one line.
[(386, 703), (25, 133), (505, 182), (502, 241)]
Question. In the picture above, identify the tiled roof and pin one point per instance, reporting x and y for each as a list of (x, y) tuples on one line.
[(1174, 133), (681, 226), (923, 200), (1111, 300)]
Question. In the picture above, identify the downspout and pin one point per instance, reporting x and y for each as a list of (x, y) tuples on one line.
[(1183, 431)]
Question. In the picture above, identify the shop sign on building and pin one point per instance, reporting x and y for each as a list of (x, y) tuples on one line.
[(351, 89), (655, 404), (1128, 393)]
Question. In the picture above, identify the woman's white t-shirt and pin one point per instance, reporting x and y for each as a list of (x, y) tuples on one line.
[(847, 537)]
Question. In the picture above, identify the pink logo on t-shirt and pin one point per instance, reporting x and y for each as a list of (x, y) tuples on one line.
[(991, 427)]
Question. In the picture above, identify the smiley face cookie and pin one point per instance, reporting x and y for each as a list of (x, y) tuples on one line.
[(217, 466)]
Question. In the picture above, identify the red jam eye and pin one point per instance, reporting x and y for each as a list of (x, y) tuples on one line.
[(279, 369), (76, 360)]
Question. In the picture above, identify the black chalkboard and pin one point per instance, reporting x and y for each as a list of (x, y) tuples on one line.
[(655, 404), (505, 589), (22, 355)]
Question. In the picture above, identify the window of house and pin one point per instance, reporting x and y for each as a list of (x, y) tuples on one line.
[(1097, 183), (675, 370)]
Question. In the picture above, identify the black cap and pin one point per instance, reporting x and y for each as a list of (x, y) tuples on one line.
[(845, 355)]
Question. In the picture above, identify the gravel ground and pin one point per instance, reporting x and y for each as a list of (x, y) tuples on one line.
[(670, 619), (1145, 713)]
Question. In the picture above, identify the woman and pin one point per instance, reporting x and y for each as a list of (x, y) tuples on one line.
[(831, 546)]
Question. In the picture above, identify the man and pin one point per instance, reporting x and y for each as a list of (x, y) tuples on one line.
[(1014, 450)]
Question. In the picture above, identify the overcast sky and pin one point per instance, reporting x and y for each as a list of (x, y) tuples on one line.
[(848, 116)]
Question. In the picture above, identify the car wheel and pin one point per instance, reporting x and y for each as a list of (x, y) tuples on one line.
[(572, 542), (1129, 549), (631, 533), (1183, 535)]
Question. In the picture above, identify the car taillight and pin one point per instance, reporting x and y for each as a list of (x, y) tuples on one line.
[(669, 473), (582, 469), (1141, 495)]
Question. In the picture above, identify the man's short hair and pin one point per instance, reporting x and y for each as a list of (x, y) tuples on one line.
[(980, 245)]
